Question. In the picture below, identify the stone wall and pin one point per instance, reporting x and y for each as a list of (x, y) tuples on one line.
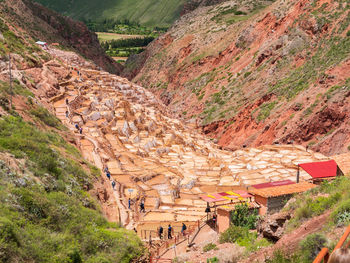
[(275, 204)]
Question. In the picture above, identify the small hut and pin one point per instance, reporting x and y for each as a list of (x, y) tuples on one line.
[(272, 199)]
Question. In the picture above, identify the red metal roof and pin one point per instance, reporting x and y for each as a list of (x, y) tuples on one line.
[(320, 169), (273, 184)]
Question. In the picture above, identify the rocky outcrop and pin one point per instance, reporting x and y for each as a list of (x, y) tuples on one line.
[(272, 226)]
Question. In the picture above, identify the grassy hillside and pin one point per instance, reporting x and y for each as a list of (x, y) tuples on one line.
[(46, 214), (46, 211), (146, 12)]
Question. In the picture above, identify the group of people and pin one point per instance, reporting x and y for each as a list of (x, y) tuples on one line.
[(108, 174), (170, 231), (80, 129), (142, 205)]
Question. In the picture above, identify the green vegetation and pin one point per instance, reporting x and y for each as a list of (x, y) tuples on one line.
[(247, 74), (230, 15), (311, 246), (46, 214), (43, 115), (310, 109), (104, 36), (244, 238), (244, 217), (124, 27), (209, 246), (280, 257), (329, 53), (48, 206), (306, 253), (212, 260), (125, 47), (334, 195), (145, 12), (265, 110), (234, 234), (16, 44)]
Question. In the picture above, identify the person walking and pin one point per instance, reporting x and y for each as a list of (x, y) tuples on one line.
[(108, 174), (67, 114), (160, 232), (106, 169), (183, 229), (129, 203), (81, 130), (214, 220), (170, 229), (113, 184), (67, 101), (142, 207)]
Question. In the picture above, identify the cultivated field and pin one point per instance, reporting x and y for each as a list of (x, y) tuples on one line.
[(102, 36)]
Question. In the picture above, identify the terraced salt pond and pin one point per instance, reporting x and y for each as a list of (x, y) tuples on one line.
[(157, 158)]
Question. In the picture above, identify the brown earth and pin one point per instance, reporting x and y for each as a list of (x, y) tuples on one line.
[(221, 74)]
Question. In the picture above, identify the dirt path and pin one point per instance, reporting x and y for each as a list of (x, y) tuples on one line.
[(60, 107)]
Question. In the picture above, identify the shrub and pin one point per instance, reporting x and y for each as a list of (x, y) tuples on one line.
[(281, 257), (44, 115), (312, 245), (212, 260), (313, 207), (247, 74), (341, 214), (234, 234), (243, 216), (265, 110), (209, 247)]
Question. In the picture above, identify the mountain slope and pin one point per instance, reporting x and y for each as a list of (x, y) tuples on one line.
[(46, 25), (257, 72), (146, 12), (48, 192)]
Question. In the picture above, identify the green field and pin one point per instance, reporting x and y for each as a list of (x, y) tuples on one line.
[(112, 36), (146, 12)]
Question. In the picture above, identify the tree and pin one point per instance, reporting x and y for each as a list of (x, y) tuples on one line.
[(243, 216)]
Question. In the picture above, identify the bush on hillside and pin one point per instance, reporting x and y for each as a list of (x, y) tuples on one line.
[(311, 246), (341, 215), (209, 247), (44, 115), (234, 233), (212, 260), (243, 216), (281, 257)]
